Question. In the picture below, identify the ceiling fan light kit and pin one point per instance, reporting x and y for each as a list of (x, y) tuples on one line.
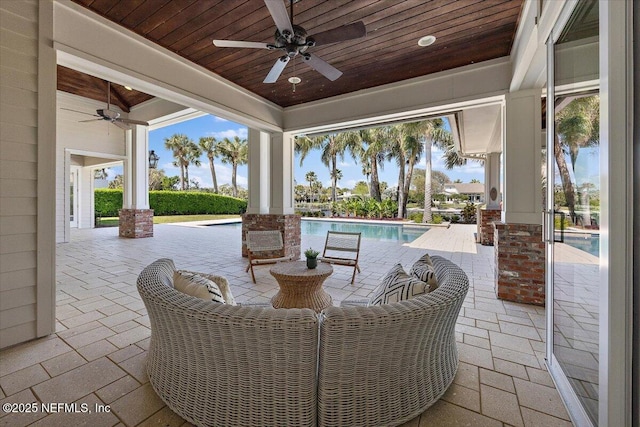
[(293, 40)]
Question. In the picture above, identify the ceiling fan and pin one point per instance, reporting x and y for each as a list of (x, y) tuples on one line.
[(110, 115), (293, 40)]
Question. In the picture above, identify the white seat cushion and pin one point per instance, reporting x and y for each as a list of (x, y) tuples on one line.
[(396, 286), (197, 286)]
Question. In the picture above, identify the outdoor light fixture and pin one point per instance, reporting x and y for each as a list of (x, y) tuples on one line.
[(100, 174), (128, 88), (153, 159), (294, 81), (426, 41)]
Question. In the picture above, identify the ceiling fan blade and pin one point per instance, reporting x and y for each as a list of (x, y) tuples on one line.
[(90, 120), (276, 70), (121, 125), (132, 122), (81, 112), (322, 66), (278, 12), (340, 34), (232, 43)]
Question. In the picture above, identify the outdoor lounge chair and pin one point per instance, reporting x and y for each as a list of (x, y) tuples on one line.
[(342, 248), (264, 247)]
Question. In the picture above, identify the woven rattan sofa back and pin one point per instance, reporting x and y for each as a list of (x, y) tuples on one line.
[(384, 365), (223, 365)]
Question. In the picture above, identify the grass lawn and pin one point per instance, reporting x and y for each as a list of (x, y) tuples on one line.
[(113, 221)]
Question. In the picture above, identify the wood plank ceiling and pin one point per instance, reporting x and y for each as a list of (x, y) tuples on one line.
[(467, 32)]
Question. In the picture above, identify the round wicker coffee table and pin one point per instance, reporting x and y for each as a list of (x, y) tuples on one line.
[(301, 287)]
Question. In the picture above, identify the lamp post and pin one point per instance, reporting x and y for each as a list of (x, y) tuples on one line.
[(153, 159)]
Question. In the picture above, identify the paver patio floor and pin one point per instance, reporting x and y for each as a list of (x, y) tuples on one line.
[(97, 355)]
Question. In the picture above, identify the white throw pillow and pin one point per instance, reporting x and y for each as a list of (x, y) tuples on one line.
[(197, 286), (396, 286), (423, 270)]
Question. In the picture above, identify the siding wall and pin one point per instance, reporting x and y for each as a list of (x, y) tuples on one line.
[(97, 138), (18, 170)]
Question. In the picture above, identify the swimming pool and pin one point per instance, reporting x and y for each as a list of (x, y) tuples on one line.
[(384, 232), (589, 243)]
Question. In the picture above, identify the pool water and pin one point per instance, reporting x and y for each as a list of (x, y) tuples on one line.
[(590, 243), (390, 233)]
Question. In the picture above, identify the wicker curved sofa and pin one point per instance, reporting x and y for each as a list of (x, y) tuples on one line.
[(223, 365)]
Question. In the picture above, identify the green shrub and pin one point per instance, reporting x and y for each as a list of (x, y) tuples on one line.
[(108, 202), (436, 219), (469, 213), (455, 219), (416, 217)]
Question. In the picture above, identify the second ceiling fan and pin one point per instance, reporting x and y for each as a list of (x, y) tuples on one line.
[(293, 40)]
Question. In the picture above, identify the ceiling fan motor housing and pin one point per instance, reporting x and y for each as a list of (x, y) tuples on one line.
[(295, 43), (108, 114)]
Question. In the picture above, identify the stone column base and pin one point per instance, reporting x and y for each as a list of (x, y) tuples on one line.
[(520, 263), (288, 224), (486, 219), (136, 223)]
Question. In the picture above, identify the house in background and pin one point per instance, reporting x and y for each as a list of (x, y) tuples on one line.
[(473, 191)]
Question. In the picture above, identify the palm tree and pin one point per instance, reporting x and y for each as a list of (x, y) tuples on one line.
[(235, 152), (372, 148), (311, 178), (406, 147), (182, 149), (333, 146), (209, 146), (435, 133), (577, 126), (192, 158)]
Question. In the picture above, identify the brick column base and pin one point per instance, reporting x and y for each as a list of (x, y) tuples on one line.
[(487, 218), (520, 262), (136, 223), (288, 224)]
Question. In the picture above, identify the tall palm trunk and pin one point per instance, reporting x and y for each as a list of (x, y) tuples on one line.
[(334, 177), (401, 203), (182, 181), (567, 185), (213, 174), (234, 170), (374, 191), (426, 216), (186, 174), (407, 183)]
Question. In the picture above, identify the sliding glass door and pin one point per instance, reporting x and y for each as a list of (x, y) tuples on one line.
[(573, 212)]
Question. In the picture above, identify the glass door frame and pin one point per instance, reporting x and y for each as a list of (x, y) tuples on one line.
[(74, 194), (616, 253)]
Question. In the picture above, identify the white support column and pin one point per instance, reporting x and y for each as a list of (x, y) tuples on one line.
[(522, 198), (127, 172), (259, 176), (492, 194), (140, 169), (281, 172)]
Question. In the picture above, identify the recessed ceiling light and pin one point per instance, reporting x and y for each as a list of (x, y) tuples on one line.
[(294, 80), (426, 41), (128, 88)]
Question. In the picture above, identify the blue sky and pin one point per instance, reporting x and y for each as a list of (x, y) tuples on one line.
[(220, 128)]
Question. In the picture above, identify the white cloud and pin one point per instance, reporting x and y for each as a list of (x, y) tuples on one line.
[(230, 133), (223, 175), (345, 164)]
